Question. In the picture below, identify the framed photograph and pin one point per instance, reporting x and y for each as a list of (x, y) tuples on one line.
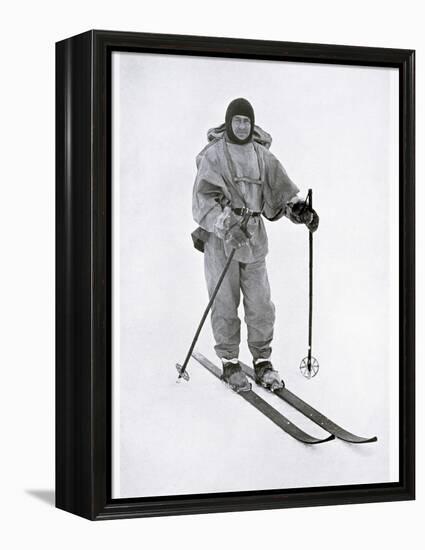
[(235, 274)]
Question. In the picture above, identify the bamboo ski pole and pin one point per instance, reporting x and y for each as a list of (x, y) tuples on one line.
[(309, 365), (182, 368)]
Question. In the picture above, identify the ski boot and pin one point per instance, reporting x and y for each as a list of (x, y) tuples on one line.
[(235, 377), (267, 377)]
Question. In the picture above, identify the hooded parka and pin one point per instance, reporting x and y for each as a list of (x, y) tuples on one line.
[(240, 176)]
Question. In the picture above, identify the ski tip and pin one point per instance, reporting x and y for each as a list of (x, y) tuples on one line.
[(331, 437), (353, 439), (310, 440), (362, 440)]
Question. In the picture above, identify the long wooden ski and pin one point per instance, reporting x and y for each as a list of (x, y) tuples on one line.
[(261, 405), (314, 415)]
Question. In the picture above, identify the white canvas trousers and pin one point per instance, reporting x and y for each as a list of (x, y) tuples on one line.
[(252, 280)]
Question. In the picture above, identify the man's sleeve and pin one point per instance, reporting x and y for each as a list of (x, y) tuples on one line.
[(207, 194), (278, 190)]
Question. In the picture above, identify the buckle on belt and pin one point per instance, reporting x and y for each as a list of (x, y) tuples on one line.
[(246, 212), (246, 215)]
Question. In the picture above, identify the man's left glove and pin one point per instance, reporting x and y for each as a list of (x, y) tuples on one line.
[(300, 212)]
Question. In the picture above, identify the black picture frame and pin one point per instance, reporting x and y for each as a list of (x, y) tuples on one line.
[(83, 274)]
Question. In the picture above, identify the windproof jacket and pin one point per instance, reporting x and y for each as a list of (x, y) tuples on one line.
[(221, 182)]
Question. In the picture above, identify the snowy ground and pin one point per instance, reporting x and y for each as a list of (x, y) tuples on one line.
[(200, 437)]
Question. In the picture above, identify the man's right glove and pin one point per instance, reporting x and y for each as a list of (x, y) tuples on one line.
[(237, 236), (228, 228)]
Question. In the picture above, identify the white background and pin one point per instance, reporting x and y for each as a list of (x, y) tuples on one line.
[(27, 275), (334, 128)]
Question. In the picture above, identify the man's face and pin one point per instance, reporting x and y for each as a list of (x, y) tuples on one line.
[(241, 126)]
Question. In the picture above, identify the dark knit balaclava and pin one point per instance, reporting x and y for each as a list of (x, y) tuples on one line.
[(239, 106)]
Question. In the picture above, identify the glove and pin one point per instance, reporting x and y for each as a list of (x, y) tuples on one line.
[(237, 236), (224, 222), (300, 212), (313, 224), (227, 227)]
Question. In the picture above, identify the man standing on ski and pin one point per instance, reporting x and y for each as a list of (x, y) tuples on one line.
[(239, 181)]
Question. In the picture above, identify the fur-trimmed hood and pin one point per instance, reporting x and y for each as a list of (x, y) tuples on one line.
[(217, 133), (259, 135)]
